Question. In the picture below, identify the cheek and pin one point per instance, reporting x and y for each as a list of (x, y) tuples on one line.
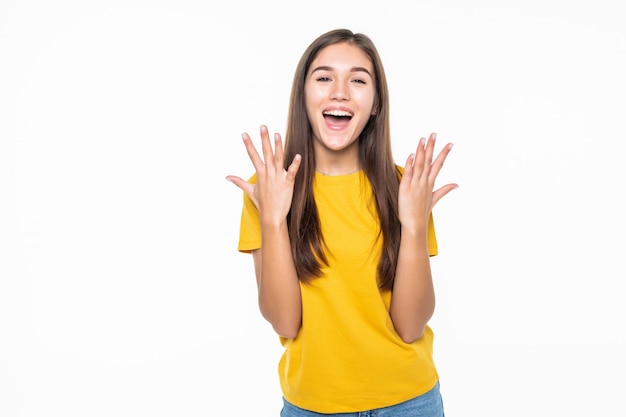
[(310, 106), (313, 100), (368, 104), (313, 96)]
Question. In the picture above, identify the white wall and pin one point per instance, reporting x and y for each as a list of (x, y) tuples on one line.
[(121, 290)]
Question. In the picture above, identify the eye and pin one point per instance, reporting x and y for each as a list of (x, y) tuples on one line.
[(322, 79), (359, 81)]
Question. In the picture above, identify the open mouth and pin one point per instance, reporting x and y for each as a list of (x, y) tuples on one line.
[(338, 116)]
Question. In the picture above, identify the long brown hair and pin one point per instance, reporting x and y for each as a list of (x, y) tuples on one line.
[(375, 158)]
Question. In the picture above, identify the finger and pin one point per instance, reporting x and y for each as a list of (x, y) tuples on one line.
[(241, 183), (424, 156), (418, 160), (256, 159), (429, 152), (408, 166), (268, 152), (293, 168), (438, 163), (441, 192), (278, 151)]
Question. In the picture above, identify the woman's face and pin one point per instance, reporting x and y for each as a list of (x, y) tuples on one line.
[(340, 96)]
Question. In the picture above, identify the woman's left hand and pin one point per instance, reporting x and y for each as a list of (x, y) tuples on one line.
[(416, 197)]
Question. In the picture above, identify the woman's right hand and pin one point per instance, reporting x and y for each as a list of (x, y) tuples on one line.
[(273, 191)]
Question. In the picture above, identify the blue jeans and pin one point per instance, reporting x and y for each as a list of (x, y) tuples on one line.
[(426, 405)]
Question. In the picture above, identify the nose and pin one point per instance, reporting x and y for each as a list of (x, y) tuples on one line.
[(339, 91)]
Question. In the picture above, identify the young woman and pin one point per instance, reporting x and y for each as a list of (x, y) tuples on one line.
[(341, 238)]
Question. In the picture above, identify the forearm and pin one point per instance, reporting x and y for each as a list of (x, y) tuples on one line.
[(413, 296), (279, 288)]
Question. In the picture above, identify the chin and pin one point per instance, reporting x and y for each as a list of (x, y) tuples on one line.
[(338, 141)]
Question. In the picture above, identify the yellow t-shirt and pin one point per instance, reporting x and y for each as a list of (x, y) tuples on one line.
[(347, 356)]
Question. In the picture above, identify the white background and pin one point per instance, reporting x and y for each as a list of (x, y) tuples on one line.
[(121, 290)]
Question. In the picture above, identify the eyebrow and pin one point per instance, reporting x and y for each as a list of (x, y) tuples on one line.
[(353, 69)]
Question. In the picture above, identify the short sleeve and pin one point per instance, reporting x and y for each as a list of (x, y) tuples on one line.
[(433, 249), (249, 226)]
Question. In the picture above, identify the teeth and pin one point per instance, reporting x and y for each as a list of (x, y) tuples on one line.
[(338, 113)]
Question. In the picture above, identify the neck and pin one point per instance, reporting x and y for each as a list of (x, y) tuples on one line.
[(337, 172)]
